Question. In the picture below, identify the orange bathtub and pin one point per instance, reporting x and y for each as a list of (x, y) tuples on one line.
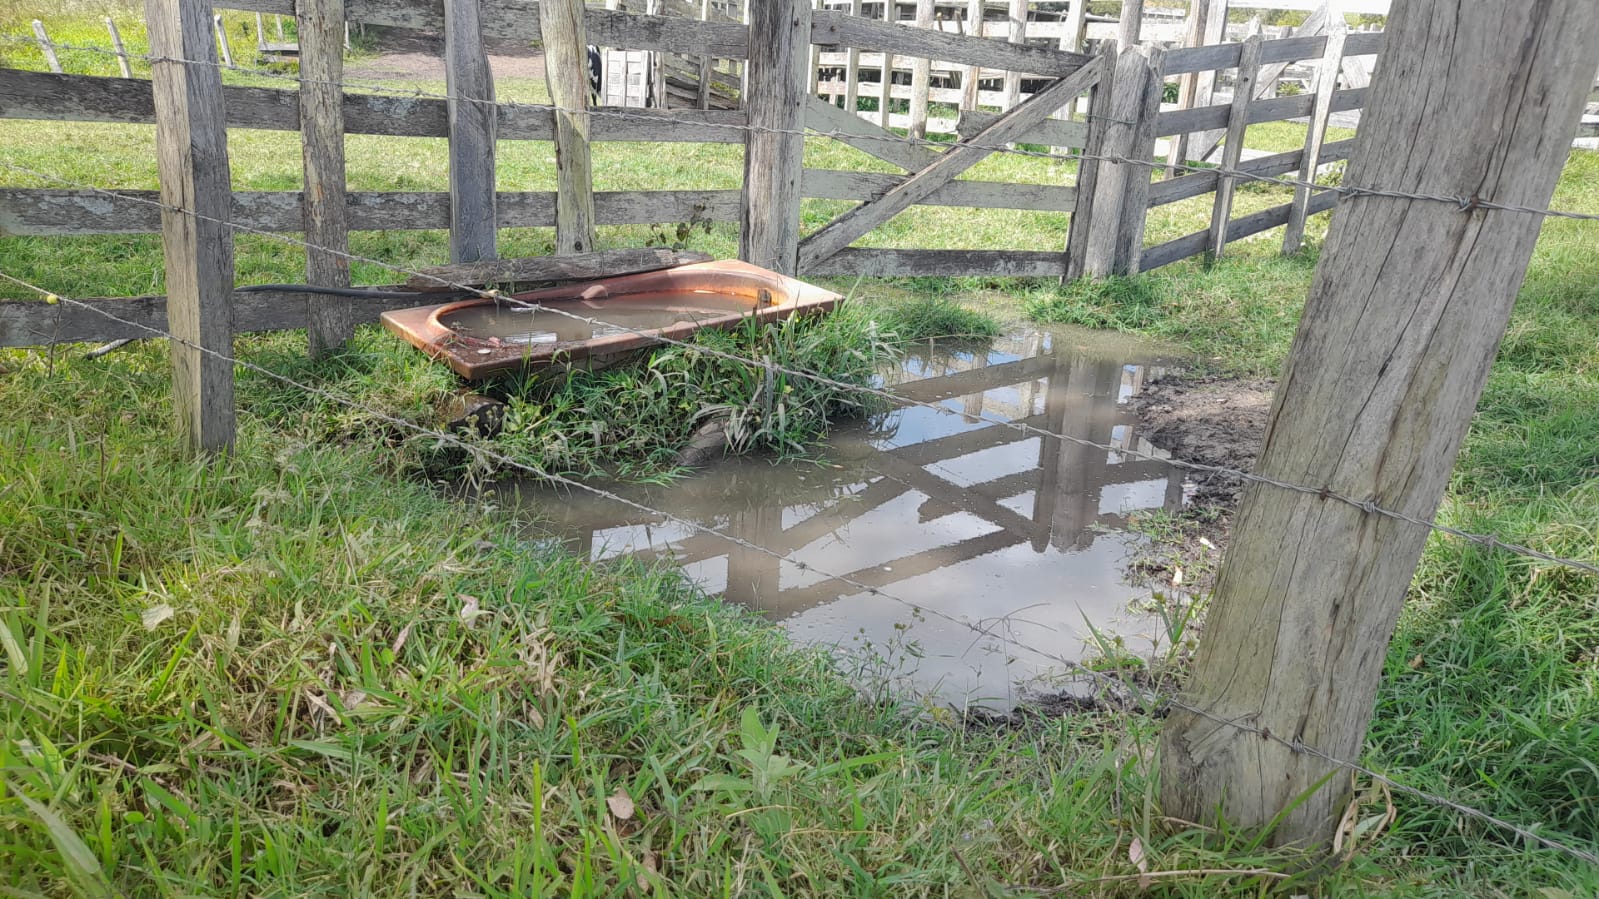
[(481, 337)]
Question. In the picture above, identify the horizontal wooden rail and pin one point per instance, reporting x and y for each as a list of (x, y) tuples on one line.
[(1292, 49), (830, 28), (35, 212), (1199, 183), (882, 263), (1196, 243), (838, 185), (1276, 109), (33, 323), (88, 98)]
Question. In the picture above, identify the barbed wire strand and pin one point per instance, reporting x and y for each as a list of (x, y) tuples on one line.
[(1146, 696), (1370, 507), (1463, 204)]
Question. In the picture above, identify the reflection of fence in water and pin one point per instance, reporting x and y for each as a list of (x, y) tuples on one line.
[(1064, 393)]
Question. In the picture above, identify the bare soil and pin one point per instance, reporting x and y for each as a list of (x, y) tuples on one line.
[(414, 55), (1209, 421)]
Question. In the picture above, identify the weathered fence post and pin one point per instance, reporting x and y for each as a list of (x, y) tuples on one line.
[(1407, 309), (1233, 152), (1326, 85), (1131, 23), (566, 70), (1215, 32), (1017, 14), (886, 77), (852, 69), (116, 45), (921, 76), (472, 127), (1121, 189), (46, 47), (330, 321), (222, 40), (974, 73), (197, 200), (1083, 219), (780, 39)]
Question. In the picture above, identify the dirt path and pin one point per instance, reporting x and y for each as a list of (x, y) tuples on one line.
[(420, 56)]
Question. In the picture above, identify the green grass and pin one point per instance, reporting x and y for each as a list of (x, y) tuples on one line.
[(284, 671), (1492, 685), (254, 675)]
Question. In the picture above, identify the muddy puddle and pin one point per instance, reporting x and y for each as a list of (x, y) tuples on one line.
[(951, 515)]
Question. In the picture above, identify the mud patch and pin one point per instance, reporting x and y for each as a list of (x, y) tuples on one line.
[(1210, 421)]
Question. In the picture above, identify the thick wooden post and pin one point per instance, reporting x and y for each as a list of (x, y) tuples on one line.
[(921, 75), (1407, 309), (1326, 84), (1083, 220), (1121, 190), (330, 321), (566, 70), (197, 200), (780, 39), (472, 123), (1233, 153)]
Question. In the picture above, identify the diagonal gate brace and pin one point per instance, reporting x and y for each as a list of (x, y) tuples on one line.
[(1011, 126)]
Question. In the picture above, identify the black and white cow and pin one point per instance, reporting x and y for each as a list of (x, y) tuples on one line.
[(594, 75)]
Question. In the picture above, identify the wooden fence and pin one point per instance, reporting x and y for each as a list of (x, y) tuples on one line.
[(1106, 211)]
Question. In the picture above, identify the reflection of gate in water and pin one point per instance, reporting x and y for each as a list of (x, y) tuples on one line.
[(1020, 380)]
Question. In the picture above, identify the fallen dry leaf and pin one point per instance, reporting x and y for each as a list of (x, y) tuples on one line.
[(153, 616), (621, 804)]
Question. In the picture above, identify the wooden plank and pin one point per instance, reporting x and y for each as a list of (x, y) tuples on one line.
[(1100, 120), (825, 118), (1233, 151), (1054, 132), (566, 71), (470, 85), (1103, 253), (37, 95), (277, 7), (49, 212), (839, 185), (962, 156), (192, 161), (518, 21), (921, 76), (32, 323), (1275, 109), (1205, 87), (222, 40), (1130, 22), (881, 263), (885, 72), (1016, 19), (1130, 231), (1187, 83), (973, 73), (774, 148), (852, 69), (1316, 134), (118, 48), (551, 269), (46, 46), (1408, 306), (830, 27), (325, 208), (1196, 244), (1203, 182)]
